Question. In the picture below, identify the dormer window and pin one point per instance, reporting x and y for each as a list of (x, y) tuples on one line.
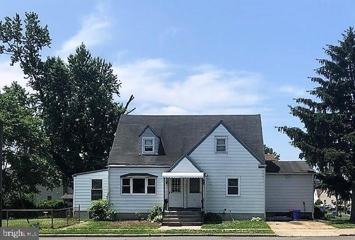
[(221, 144), (148, 145)]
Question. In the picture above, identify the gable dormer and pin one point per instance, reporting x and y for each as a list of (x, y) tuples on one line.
[(149, 142)]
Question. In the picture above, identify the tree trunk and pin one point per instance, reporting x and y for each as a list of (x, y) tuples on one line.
[(352, 216)]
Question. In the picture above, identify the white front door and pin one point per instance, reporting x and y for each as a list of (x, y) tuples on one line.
[(194, 195), (176, 193)]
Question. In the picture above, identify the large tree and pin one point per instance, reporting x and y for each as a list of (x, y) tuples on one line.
[(76, 97), (27, 162), (327, 139)]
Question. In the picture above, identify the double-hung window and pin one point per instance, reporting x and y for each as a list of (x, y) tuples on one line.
[(148, 145), (96, 189), (232, 186), (221, 144), (138, 185)]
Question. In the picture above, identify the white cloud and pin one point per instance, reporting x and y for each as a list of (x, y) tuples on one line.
[(292, 90), (163, 88), (9, 74), (94, 30)]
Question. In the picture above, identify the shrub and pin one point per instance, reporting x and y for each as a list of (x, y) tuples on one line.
[(156, 214), (318, 202), (101, 210), (318, 214), (256, 219), (51, 204), (212, 218)]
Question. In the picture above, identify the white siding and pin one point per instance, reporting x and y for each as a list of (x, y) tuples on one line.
[(82, 188), (185, 166), (238, 162), (286, 192), (135, 203)]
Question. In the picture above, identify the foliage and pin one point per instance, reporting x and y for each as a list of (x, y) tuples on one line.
[(101, 210), (256, 219), (156, 214), (269, 150), (27, 162), (12, 201), (318, 202), (212, 218), (318, 213), (76, 98), (327, 139), (51, 204)]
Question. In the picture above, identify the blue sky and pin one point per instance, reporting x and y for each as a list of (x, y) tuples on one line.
[(199, 57)]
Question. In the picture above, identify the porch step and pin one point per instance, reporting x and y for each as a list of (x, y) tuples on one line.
[(182, 218)]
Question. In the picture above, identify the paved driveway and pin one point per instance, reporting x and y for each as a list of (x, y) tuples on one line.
[(307, 228)]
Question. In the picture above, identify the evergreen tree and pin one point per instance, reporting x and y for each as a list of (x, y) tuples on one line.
[(327, 140)]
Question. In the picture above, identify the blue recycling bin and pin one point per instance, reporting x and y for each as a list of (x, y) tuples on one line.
[(296, 214)]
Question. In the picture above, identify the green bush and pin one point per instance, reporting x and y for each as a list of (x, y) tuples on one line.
[(156, 214), (318, 202), (318, 214), (212, 218), (51, 204), (101, 210)]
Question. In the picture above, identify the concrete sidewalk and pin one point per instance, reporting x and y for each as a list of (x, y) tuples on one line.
[(307, 228)]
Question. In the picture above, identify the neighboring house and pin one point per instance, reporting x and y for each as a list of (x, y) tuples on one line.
[(57, 193), (289, 186), (209, 163), (48, 194)]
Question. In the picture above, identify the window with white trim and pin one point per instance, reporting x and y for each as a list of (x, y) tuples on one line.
[(126, 185), (138, 185), (232, 186), (148, 145), (151, 186), (96, 189), (221, 144)]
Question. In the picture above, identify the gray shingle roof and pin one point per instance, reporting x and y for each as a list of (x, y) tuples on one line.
[(179, 134), (288, 167)]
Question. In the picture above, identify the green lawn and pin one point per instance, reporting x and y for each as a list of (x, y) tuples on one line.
[(144, 227), (42, 223), (138, 227), (341, 222)]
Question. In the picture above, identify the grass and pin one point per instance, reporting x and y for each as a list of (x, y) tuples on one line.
[(145, 227), (341, 222), (139, 227), (42, 223), (244, 224)]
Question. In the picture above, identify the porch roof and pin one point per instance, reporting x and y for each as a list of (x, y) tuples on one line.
[(183, 175), (184, 168)]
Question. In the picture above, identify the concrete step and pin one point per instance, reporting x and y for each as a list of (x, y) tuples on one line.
[(198, 219), (182, 218)]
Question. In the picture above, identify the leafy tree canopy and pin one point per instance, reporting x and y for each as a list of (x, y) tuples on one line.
[(76, 97), (269, 150), (27, 162)]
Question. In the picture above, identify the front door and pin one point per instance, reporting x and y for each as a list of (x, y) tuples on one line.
[(176, 193), (194, 196)]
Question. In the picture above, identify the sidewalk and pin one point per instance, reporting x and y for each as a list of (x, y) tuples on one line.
[(307, 229)]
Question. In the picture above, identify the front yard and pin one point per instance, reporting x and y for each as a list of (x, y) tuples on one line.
[(341, 222), (244, 227)]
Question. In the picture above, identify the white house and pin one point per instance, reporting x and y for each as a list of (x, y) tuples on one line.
[(193, 164)]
